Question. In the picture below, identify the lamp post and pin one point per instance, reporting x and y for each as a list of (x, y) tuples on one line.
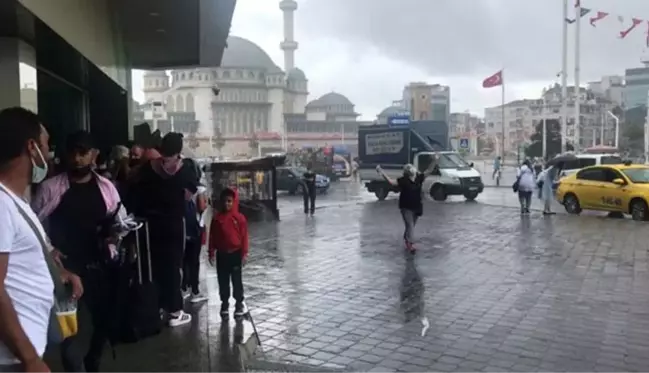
[(617, 129), (545, 130)]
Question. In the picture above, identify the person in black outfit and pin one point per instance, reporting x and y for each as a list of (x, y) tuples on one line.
[(309, 190), (410, 204), (159, 194), (73, 230), (193, 233)]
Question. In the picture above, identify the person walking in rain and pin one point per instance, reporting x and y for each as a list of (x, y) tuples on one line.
[(526, 183), (410, 204), (545, 182), (309, 190)]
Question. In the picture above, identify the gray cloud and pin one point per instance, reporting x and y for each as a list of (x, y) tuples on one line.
[(477, 37)]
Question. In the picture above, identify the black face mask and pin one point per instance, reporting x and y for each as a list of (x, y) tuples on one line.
[(80, 172)]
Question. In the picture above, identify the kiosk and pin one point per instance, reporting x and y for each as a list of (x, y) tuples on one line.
[(255, 181)]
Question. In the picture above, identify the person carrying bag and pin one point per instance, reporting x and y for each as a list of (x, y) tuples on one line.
[(63, 317)]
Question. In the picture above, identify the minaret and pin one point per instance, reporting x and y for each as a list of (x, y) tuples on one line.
[(289, 45)]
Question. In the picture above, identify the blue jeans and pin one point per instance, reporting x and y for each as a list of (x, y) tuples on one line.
[(409, 220)]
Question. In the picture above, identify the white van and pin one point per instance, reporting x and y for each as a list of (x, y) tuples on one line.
[(452, 176), (585, 160)]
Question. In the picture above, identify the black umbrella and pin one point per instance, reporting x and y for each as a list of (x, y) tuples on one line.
[(561, 159)]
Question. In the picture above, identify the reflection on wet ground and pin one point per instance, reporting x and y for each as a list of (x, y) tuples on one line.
[(499, 292), (488, 290)]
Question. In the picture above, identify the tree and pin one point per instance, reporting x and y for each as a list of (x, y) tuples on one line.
[(253, 144), (553, 141), (218, 141), (632, 130)]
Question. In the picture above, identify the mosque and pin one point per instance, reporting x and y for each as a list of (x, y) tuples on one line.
[(247, 105)]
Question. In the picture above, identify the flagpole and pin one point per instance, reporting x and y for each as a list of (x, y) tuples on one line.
[(502, 136), (564, 79), (577, 140)]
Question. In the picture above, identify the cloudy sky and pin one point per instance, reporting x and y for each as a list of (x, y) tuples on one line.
[(369, 49)]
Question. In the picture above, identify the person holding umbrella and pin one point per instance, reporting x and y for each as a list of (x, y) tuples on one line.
[(545, 180)]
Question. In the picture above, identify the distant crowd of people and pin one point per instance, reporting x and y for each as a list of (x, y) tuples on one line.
[(57, 212)]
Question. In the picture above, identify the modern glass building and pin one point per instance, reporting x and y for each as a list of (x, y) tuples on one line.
[(70, 60), (637, 86)]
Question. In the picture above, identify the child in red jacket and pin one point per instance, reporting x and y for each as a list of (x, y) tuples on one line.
[(228, 246)]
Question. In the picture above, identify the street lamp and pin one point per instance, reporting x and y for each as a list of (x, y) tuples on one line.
[(617, 129), (545, 130)]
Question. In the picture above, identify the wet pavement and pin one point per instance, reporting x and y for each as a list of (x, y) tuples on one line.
[(488, 290)]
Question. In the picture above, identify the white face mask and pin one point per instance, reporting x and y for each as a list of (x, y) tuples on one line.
[(39, 173)]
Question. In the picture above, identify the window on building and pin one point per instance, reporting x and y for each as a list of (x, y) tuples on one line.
[(251, 75), (189, 103), (191, 75), (180, 103), (171, 104), (239, 74), (226, 75)]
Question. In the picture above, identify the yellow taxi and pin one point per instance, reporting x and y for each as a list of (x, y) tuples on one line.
[(615, 188)]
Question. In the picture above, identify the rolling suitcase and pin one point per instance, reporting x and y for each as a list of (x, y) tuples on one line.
[(140, 305)]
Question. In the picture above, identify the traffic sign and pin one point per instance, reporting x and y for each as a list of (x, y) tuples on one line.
[(464, 143), (399, 120)]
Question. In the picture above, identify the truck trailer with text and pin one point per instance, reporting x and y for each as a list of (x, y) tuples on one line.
[(393, 148)]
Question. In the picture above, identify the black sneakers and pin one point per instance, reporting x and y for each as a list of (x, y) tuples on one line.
[(239, 309), (225, 310)]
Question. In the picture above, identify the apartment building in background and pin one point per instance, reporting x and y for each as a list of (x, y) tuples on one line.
[(427, 101), (523, 116)]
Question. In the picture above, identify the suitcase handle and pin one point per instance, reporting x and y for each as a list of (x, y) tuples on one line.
[(139, 253), (139, 256), (148, 251)]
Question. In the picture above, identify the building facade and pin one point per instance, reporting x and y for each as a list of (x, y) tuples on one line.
[(609, 87), (249, 100), (523, 116), (427, 101), (636, 86), (70, 60)]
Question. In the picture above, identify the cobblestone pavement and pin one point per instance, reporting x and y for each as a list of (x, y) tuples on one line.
[(488, 290)]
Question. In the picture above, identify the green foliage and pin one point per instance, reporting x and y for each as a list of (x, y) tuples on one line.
[(632, 130), (553, 141)]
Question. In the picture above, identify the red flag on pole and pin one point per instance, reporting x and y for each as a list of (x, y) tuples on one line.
[(636, 22), (493, 81), (600, 16)]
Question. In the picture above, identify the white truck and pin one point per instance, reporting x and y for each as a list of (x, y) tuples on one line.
[(393, 148)]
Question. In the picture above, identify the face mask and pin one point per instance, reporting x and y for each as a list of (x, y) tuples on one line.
[(80, 172), (39, 173)]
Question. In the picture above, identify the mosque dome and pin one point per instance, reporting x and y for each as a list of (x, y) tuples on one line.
[(296, 74), (331, 99), (242, 52), (391, 110)]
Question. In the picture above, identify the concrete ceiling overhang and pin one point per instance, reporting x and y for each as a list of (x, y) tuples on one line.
[(162, 34)]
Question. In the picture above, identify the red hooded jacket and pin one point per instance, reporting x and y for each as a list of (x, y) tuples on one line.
[(229, 231)]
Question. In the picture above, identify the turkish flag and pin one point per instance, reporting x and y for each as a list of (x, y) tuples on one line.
[(493, 81)]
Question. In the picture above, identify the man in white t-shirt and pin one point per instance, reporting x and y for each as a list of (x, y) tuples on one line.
[(26, 287)]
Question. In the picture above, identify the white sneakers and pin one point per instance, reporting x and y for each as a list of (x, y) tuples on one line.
[(179, 318), (197, 298)]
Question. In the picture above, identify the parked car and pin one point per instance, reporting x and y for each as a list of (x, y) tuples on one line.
[(290, 179)]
